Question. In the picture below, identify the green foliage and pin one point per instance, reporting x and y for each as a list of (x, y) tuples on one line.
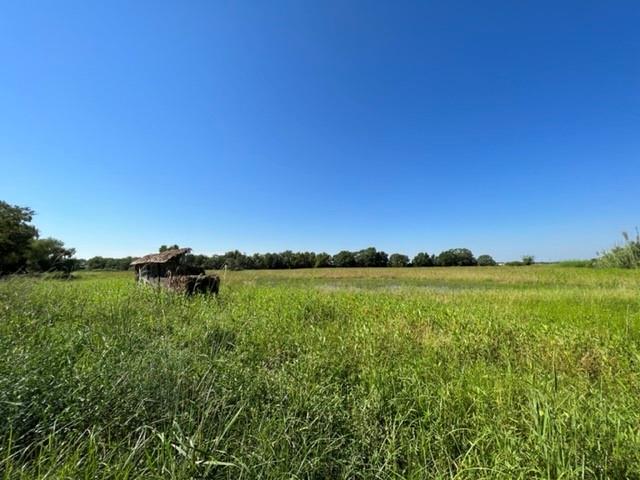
[(528, 259), (370, 257), (423, 259), (486, 261), (164, 248), (334, 373), (102, 263), (456, 257), (398, 260), (323, 260), (626, 255), (578, 263), (16, 234), (48, 254), (344, 258)]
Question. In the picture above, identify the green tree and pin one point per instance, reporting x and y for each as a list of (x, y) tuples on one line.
[(49, 254), (528, 259), (457, 257), (344, 258), (423, 259), (370, 257), (16, 234), (323, 260), (486, 261), (164, 248), (398, 260)]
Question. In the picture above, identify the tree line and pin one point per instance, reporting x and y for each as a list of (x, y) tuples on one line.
[(22, 250), (368, 257)]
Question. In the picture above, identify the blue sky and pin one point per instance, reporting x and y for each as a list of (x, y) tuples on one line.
[(507, 127)]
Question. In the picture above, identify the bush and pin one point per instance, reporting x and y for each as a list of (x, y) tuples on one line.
[(624, 256), (578, 263)]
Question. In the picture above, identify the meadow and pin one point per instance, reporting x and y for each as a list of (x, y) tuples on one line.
[(496, 372)]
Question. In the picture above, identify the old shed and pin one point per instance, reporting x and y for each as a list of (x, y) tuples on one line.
[(154, 266)]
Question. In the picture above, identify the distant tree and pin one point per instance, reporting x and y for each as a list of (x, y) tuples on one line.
[(49, 254), (215, 262), (96, 263), (370, 257), (16, 234), (398, 260), (258, 261), (102, 263), (323, 260), (528, 259), (486, 261), (164, 248), (273, 261), (423, 259), (236, 260), (304, 260), (457, 257), (344, 258)]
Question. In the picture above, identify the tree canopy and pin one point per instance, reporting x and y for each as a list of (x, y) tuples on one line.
[(486, 261), (457, 257), (16, 234)]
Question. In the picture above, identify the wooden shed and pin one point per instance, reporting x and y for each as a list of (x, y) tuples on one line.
[(154, 266), (170, 270)]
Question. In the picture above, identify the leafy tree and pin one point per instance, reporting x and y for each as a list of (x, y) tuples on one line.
[(344, 258), (457, 257), (16, 235), (102, 263), (486, 261), (164, 248), (96, 263), (370, 257), (236, 260), (423, 259), (323, 260), (398, 260), (49, 254), (528, 259)]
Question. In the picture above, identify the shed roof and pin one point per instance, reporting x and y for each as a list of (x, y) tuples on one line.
[(162, 257)]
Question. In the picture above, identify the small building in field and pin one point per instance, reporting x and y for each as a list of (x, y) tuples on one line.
[(154, 266), (169, 269)]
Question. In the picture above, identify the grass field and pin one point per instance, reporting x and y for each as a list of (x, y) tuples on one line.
[(523, 372)]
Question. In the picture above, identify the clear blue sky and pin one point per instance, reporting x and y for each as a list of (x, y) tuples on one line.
[(504, 126)]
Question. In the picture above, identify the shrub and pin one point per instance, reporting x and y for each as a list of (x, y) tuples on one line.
[(578, 263), (623, 256)]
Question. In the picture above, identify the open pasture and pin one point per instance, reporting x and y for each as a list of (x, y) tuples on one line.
[(497, 372)]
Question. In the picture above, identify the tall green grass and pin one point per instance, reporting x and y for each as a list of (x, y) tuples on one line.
[(529, 372), (626, 255)]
